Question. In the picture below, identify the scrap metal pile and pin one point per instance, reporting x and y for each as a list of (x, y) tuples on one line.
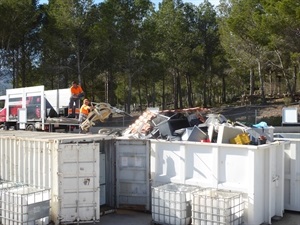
[(198, 125)]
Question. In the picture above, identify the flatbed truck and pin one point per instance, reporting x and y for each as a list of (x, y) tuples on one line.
[(34, 108)]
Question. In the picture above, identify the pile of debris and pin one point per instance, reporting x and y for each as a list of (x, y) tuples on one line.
[(198, 125)]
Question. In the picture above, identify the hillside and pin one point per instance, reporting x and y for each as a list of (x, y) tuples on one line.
[(247, 114), (250, 114)]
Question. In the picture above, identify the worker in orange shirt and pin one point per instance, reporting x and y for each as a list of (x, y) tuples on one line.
[(84, 112), (76, 94)]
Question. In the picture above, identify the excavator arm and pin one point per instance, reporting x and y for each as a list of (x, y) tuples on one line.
[(100, 111)]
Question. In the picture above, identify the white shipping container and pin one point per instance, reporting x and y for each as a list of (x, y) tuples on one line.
[(291, 170), (256, 171), (66, 163), (133, 173)]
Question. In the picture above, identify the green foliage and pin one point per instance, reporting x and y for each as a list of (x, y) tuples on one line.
[(20, 44), (177, 55)]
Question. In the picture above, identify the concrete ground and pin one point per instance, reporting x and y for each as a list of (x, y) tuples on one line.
[(128, 217), (289, 218)]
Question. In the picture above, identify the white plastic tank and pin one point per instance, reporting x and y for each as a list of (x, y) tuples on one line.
[(24, 205), (171, 203)]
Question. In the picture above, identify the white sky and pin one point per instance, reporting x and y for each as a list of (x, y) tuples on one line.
[(195, 2)]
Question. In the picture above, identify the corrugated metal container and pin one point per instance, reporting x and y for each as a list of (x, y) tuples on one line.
[(25, 159), (108, 180), (132, 172), (102, 194), (171, 204), (24, 205), (102, 179), (102, 168), (291, 170), (254, 170), (66, 163)]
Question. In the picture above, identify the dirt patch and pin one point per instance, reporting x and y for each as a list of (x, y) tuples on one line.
[(250, 114)]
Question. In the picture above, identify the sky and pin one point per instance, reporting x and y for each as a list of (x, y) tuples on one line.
[(195, 2)]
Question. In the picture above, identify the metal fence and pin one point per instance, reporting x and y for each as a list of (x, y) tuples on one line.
[(251, 115)]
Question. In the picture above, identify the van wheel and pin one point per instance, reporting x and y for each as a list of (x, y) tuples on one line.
[(30, 127)]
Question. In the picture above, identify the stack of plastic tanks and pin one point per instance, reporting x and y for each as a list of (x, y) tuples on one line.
[(214, 207), (171, 204), (25, 205)]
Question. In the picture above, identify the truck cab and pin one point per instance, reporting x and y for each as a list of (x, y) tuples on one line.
[(33, 108), (2, 109)]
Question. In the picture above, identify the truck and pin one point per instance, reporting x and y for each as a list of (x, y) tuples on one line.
[(34, 108)]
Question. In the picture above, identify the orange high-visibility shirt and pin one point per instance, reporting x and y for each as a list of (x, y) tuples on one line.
[(85, 109), (77, 90)]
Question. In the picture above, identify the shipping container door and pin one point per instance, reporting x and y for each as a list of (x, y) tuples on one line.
[(78, 182), (291, 170), (133, 174)]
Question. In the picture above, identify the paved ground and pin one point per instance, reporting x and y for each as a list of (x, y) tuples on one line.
[(127, 217), (289, 218)]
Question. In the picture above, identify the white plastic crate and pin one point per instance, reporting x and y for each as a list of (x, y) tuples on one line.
[(171, 204), (217, 207), (25, 206), (4, 184)]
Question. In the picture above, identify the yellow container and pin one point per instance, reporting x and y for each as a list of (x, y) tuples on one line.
[(241, 139)]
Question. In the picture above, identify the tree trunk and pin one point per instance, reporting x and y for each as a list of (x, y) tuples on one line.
[(223, 88), (129, 93), (106, 88), (139, 106), (189, 90), (163, 102), (294, 83), (262, 85), (23, 64), (251, 91), (78, 67), (175, 89), (205, 90), (179, 91)]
